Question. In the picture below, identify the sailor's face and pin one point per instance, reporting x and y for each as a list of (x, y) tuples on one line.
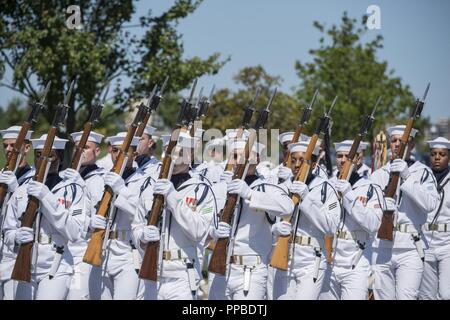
[(396, 140), (114, 152), (145, 143), (439, 158), (8, 146), (90, 153), (181, 159), (341, 158), (297, 159), (53, 158)]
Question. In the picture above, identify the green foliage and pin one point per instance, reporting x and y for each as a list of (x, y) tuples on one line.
[(38, 46), (345, 66)]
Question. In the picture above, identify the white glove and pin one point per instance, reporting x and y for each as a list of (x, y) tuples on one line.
[(226, 176), (399, 165), (114, 181), (9, 178), (223, 231), (164, 187), (284, 173), (282, 228), (390, 204), (98, 222), (149, 234), (299, 188), (37, 189), (343, 186), (71, 174), (24, 235), (238, 186)]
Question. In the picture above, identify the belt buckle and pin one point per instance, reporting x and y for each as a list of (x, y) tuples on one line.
[(166, 255), (433, 227)]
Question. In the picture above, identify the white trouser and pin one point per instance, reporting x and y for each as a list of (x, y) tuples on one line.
[(235, 283), (119, 278), (271, 272), (8, 289), (85, 283), (298, 284), (397, 273), (168, 289), (54, 289), (436, 274), (217, 285), (343, 283)]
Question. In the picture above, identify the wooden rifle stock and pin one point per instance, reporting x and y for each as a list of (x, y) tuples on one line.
[(22, 267), (218, 261), (280, 254), (149, 267), (93, 254)]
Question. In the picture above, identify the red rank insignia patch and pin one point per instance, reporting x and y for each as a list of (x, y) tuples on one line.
[(64, 203), (191, 203)]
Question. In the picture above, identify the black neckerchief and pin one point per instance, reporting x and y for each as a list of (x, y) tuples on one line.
[(179, 179), (127, 173), (354, 178), (141, 160), (85, 170), (440, 175), (21, 171), (410, 162), (52, 180), (250, 179)]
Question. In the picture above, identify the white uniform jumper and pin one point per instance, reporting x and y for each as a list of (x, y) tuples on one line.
[(7, 256), (188, 216), (397, 264), (85, 283), (348, 275), (436, 274), (317, 216), (252, 245), (60, 222)]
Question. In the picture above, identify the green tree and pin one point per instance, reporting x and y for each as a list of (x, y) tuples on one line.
[(37, 45), (344, 65)]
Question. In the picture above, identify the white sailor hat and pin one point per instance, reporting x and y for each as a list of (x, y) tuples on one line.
[(232, 133), (439, 143), (364, 145), (302, 146), (13, 132), (258, 148), (58, 144), (287, 137), (149, 130), (165, 139), (218, 142), (118, 139), (399, 129), (345, 146), (186, 141), (93, 137)]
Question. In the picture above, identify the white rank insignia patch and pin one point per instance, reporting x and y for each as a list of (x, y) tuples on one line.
[(191, 203)]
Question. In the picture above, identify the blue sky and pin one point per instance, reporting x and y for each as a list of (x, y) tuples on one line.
[(277, 33)]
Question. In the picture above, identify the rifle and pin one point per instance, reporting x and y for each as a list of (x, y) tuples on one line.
[(22, 267), (87, 128), (385, 232), (306, 114), (201, 109), (248, 113), (149, 267), (352, 159), (349, 165), (280, 255), (13, 160), (93, 254), (218, 261)]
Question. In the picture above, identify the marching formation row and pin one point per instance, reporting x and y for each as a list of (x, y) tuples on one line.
[(129, 226)]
